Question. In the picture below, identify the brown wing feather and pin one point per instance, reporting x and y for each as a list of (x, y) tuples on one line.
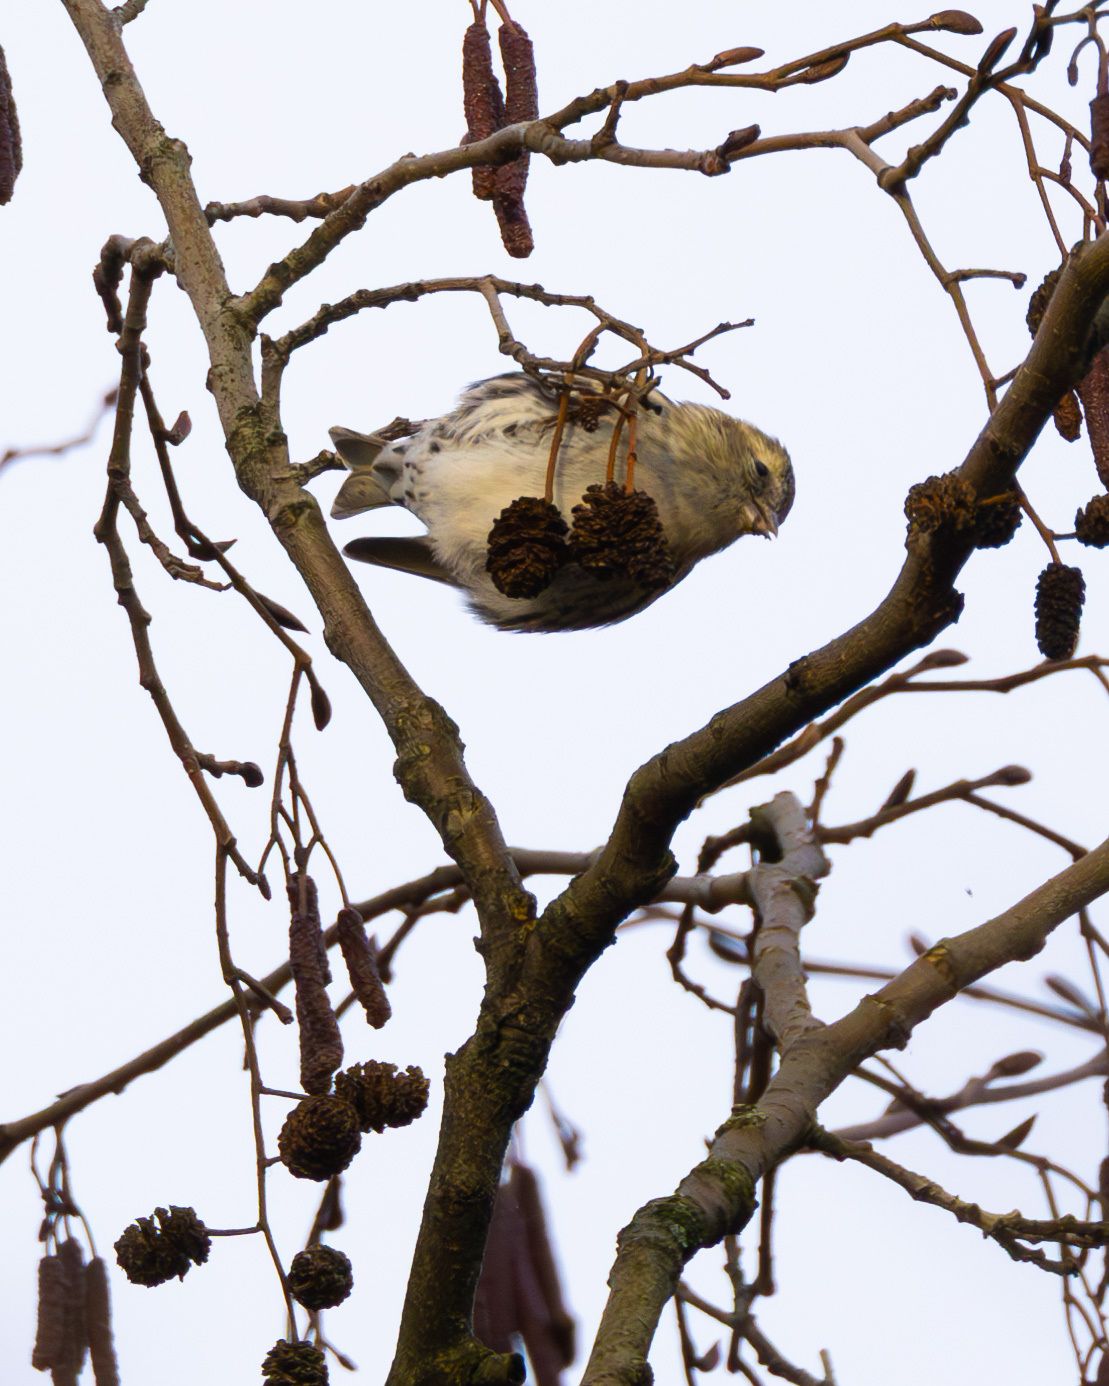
[(410, 554)]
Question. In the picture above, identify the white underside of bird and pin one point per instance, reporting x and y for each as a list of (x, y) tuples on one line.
[(712, 477)]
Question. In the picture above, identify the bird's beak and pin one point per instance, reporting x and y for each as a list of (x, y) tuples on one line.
[(763, 519)]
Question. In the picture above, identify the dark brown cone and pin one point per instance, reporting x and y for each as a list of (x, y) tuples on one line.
[(151, 1253), (527, 546), (360, 956), (320, 1137), (98, 1315), (295, 1364), (482, 101), (996, 521), (940, 503), (618, 532), (1068, 417), (382, 1096), (586, 411), (1099, 136), (11, 148), (1060, 592), (320, 1277), (1041, 297), (1093, 391), (1091, 524), (321, 1045)]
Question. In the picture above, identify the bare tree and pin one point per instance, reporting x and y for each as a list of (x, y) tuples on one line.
[(482, 1234)]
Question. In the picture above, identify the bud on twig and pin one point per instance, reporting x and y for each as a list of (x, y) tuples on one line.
[(1070, 993), (821, 72), (1009, 775), (1015, 1138), (1013, 1065), (176, 435), (955, 22), (992, 56), (321, 703), (901, 791), (943, 659), (733, 57), (281, 614)]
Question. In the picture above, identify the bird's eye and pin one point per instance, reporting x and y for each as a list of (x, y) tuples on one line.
[(762, 469)]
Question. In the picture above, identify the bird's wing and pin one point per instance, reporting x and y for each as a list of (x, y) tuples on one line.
[(408, 554)]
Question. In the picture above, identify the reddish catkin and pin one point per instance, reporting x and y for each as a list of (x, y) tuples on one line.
[(360, 956), (321, 1046), (482, 101), (521, 103), (98, 1311), (1093, 391), (51, 1314), (1099, 136)]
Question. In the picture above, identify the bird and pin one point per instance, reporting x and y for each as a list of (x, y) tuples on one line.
[(712, 477)]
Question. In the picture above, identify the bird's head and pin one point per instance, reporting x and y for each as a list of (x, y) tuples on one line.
[(739, 479)]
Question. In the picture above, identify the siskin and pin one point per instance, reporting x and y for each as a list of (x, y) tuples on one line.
[(712, 477)]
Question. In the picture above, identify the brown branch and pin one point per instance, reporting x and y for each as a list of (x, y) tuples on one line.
[(106, 405), (318, 206), (718, 1195), (1007, 1229), (976, 1092), (960, 789)]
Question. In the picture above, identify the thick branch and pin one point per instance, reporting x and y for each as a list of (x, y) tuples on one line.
[(718, 1195)]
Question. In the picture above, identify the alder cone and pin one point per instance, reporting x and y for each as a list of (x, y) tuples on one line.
[(320, 1277), (320, 1137), (295, 1364), (1041, 297), (527, 546), (150, 1253), (381, 1096), (1060, 593), (11, 147), (940, 503), (618, 533), (996, 521), (1091, 524)]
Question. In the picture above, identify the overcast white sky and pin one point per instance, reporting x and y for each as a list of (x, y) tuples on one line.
[(856, 362)]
